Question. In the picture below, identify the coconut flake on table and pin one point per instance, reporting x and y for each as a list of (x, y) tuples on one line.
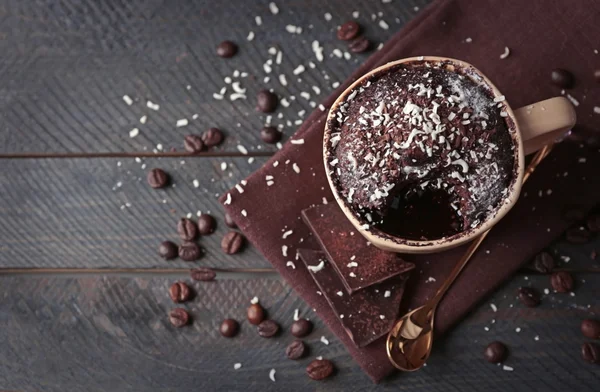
[(340, 294), (128, 100), (293, 29), (279, 57), (196, 183), (505, 54), (258, 20), (152, 105), (318, 50), (290, 264), (327, 16), (274, 9), (134, 132), (287, 234), (383, 24), (337, 53), (254, 301), (299, 69), (181, 123), (237, 366), (296, 168), (223, 166), (324, 340), (250, 36), (237, 88), (218, 97), (316, 268), (507, 368), (283, 80), (143, 119), (272, 374), (296, 315), (284, 250), (242, 149), (244, 213)]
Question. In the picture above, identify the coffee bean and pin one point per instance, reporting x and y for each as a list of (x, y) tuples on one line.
[(529, 297), (593, 223), (229, 328), (189, 251), (543, 262), (295, 350), (359, 45), (187, 229), (227, 49), (229, 221), (562, 281), (590, 352), (179, 317), (590, 328), (193, 143), (256, 314), (203, 274), (562, 78), (268, 328), (157, 178), (573, 214), (597, 75), (578, 235), (179, 292), (212, 137), (167, 250), (319, 369), (348, 31), (232, 242), (301, 328), (266, 101), (270, 135), (495, 352), (206, 224)]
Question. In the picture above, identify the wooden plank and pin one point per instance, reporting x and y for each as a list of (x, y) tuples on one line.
[(112, 333), (66, 68), (94, 213)]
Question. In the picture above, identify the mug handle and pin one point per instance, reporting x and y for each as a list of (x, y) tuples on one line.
[(545, 121)]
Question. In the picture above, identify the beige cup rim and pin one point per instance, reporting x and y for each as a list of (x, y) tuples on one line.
[(430, 246)]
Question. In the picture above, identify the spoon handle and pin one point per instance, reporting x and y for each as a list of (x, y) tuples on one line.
[(539, 156)]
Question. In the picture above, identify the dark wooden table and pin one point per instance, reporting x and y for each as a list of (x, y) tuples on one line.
[(84, 294)]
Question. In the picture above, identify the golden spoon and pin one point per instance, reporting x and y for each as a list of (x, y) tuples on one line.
[(409, 342)]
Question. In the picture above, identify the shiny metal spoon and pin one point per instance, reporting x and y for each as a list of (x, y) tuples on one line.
[(409, 342)]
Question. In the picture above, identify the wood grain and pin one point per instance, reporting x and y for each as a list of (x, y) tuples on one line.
[(112, 333)]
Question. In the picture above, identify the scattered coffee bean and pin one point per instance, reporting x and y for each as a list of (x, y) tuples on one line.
[(229, 221), (266, 101), (212, 137), (573, 214), (227, 49), (597, 75), (593, 223), (232, 242), (167, 250), (179, 292), (562, 281), (193, 143), (157, 178), (590, 352), (319, 369), (359, 45), (187, 229), (562, 78), (348, 31), (495, 352), (590, 328), (302, 327), (179, 317), (270, 135), (578, 235), (529, 297), (295, 350), (203, 274), (543, 262), (229, 328), (268, 328), (256, 314), (189, 251), (206, 224)]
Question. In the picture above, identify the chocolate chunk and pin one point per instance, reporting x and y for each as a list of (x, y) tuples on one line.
[(529, 297), (189, 251), (229, 328), (203, 274), (179, 317), (268, 328), (187, 229), (229, 221), (495, 352), (348, 31), (359, 45), (255, 314), (300, 328), (561, 281), (562, 78), (206, 224), (295, 350), (193, 143), (179, 292), (270, 135), (232, 242), (593, 223), (212, 137), (578, 235), (590, 352), (167, 250), (367, 314), (543, 262), (157, 178), (319, 369), (590, 328), (227, 49), (357, 264), (266, 101)]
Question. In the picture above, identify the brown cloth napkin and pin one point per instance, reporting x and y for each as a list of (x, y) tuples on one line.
[(541, 35)]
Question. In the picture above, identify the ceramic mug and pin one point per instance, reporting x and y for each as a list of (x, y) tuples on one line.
[(531, 128)]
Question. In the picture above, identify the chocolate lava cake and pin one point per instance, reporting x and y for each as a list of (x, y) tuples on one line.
[(421, 152)]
